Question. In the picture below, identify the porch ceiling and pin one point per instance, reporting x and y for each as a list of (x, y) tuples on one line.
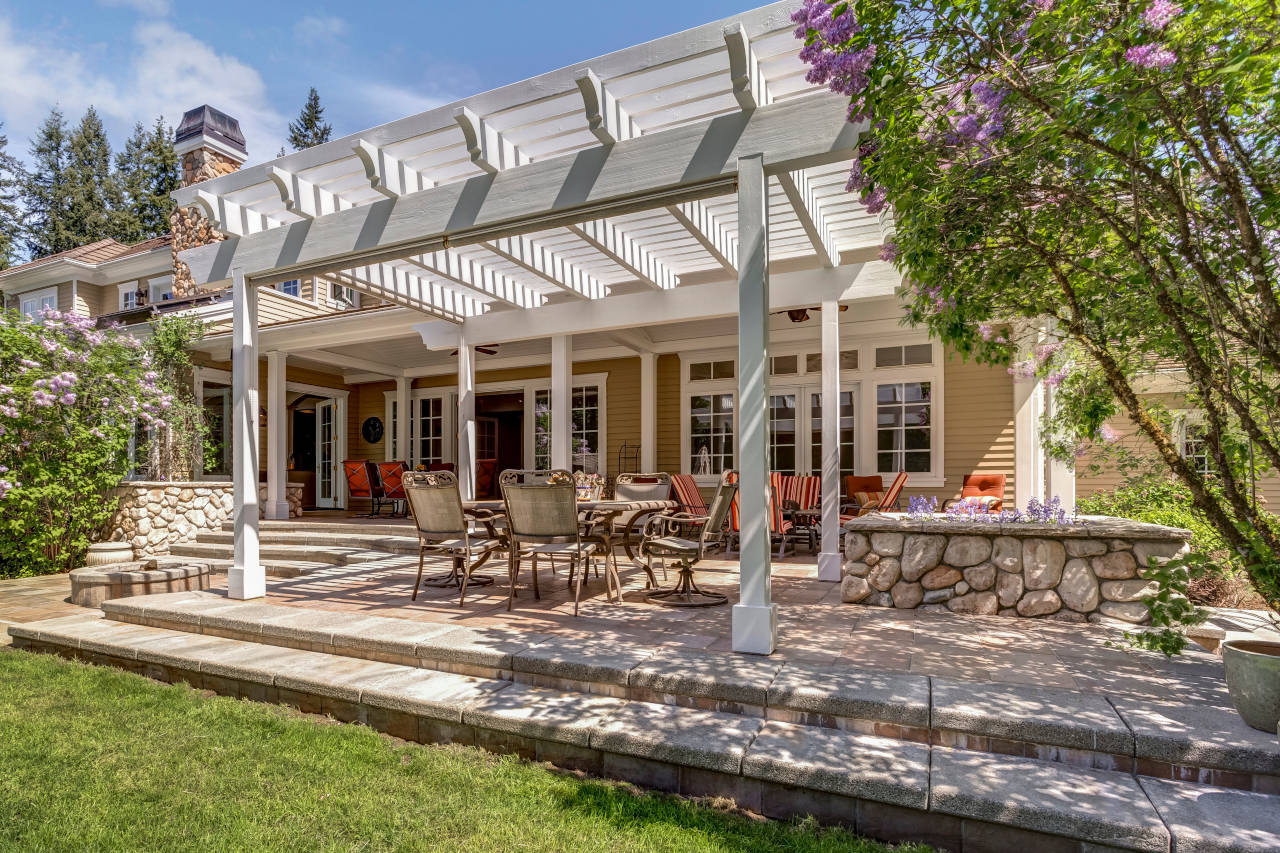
[(316, 209)]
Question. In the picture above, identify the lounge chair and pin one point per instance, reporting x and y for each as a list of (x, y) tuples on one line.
[(662, 542), (542, 521), (436, 506), (363, 482), (779, 525), (868, 495), (983, 492), (391, 476)]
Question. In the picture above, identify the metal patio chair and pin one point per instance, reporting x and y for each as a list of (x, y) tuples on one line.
[(443, 529), (542, 521), (661, 542)]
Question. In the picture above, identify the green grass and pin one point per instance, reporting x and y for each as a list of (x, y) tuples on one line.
[(97, 759)]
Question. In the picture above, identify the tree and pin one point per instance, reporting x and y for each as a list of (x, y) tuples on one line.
[(44, 190), (310, 128), (1087, 193), (10, 215), (91, 189), (147, 170)]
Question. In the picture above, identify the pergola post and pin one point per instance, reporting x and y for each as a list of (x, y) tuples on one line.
[(1028, 452), (246, 578), (755, 617), (404, 419), (1060, 476), (277, 506), (830, 557), (466, 418), (648, 412), (561, 388)]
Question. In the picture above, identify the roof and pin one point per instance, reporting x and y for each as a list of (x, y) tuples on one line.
[(205, 121), (703, 84), (93, 254)]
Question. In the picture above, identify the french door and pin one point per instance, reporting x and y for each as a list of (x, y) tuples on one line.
[(327, 454), (795, 429)]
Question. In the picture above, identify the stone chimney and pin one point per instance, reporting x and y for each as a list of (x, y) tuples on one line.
[(210, 144)]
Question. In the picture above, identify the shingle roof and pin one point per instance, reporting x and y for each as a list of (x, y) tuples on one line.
[(95, 253)]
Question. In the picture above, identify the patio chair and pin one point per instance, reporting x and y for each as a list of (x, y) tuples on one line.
[(442, 466), (800, 494), (983, 492), (391, 476), (486, 472), (779, 525), (867, 496), (685, 491), (443, 528), (363, 482), (640, 487), (661, 542), (542, 521)]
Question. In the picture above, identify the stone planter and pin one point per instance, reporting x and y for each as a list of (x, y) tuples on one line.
[(106, 553), (92, 585), (1253, 678)]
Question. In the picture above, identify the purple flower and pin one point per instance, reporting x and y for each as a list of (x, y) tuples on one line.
[(987, 331), (875, 200), (1160, 13), (40, 398), (1150, 56), (1053, 380), (68, 398), (888, 251), (1108, 434)]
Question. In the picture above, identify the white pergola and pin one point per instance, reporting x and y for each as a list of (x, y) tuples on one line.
[(666, 182)]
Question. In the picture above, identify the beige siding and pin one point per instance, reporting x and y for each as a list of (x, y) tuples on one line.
[(668, 405), (94, 300), (66, 298)]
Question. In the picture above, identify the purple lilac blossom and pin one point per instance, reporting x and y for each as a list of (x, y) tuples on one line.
[(888, 251), (1150, 56), (1160, 13)]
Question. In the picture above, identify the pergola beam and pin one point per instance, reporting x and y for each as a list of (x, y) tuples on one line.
[(394, 285), (388, 175), (799, 191), (303, 197), (478, 278), (231, 218), (544, 263), (685, 163), (487, 147), (610, 241)]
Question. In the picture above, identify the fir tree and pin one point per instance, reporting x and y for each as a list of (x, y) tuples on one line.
[(91, 189), (147, 171), (310, 128), (44, 190), (10, 219)]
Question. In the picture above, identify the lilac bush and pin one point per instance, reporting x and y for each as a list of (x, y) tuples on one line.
[(70, 394)]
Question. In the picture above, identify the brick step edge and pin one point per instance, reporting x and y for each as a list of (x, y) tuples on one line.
[(1087, 731), (961, 801)]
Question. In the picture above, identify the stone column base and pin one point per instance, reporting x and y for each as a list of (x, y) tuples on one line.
[(755, 628), (246, 582)]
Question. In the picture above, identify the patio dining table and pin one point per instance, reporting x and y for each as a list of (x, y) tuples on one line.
[(603, 512)]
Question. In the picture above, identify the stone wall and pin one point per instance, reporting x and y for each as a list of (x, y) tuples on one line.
[(1084, 571), (154, 515)]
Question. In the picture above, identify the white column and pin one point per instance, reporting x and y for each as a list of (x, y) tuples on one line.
[(830, 557), (755, 617), (466, 418), (561, 388), (1028, 451), (404, 417), (246, 578), (1060, 477), (648, 412), (277, 506)]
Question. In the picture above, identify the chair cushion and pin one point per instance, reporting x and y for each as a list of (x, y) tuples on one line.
[(568, 549), (671, 546), (478, 543), (980, 503), (865, 499)]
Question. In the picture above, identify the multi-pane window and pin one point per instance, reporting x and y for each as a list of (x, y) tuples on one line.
[(784, 365), (847, 430), (584, 429), (710, 433), (848, 361), (216, 404), (542, 430), (1195, 448), (34, 303), (292, 287), (904, 427), (904, 356), (128, 299), (783, 433), (700, 370), (160, 289), (428, 430)]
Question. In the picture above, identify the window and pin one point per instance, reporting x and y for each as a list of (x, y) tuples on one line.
[(128, 298), (904, 427), (292, 287), (34, 303), (160, 289), (1195, 448), (428, 430), (784, 365), (710, 433), (216, 405), (342, 296), (846, 436), (783, 434), (700, 370), (848, 361), (904, 356), (584, 429)]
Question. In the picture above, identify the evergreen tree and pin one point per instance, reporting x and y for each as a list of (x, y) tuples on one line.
[(10, 219), (147, 171), (310, 128), (91, 189), (44, 190)]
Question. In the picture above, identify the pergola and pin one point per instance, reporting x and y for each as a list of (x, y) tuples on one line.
[(698, 175)]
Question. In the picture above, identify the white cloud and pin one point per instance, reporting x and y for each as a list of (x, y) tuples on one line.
[(318, 28), (146, 7), (168, 72)]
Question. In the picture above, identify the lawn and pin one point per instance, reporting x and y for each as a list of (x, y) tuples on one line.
[(95, 758)]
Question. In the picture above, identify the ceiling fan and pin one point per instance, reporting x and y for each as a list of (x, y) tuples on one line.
[(799, 315), (487, 349)]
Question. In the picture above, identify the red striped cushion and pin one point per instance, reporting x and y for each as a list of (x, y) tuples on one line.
[(687, 494), (895, 490)]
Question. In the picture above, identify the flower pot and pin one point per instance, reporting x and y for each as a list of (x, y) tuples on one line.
[(106, 553), (1253, 678)]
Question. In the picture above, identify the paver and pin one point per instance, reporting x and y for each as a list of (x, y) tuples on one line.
[(535, 712), (1034, 715), (581, 659), (707, 739), (687, 672), (1199, 735), (858, 693), (1216, 820)]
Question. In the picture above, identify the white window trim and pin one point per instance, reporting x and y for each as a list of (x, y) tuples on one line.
[(38, 296), (865, 379), (123, 290), (1183, 418), (529, 387)]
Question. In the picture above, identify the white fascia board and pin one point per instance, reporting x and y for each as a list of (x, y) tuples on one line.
[(681, 164), (331, 330), (802, 289), (704, 39)]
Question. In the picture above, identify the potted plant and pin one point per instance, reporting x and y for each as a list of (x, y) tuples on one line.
[(1253, 679)]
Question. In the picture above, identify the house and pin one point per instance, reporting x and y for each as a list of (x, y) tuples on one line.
[(646, 261)]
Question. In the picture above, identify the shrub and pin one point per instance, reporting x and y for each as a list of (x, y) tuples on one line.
[(71, 396)]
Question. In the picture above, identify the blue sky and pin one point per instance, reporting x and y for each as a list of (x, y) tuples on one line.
[(372, 62)]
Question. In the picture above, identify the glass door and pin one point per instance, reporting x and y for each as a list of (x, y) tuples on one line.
[(326, 454), (784, 431), (847, 430)]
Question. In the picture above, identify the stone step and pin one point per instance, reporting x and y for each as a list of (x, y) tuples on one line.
[(372, 528), (1201, 743), (307, 539), (282, 555), (881, 787), (277, 568)]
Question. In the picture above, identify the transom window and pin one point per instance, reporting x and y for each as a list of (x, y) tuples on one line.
[(701, 370), (904, 356), (904, 427)]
